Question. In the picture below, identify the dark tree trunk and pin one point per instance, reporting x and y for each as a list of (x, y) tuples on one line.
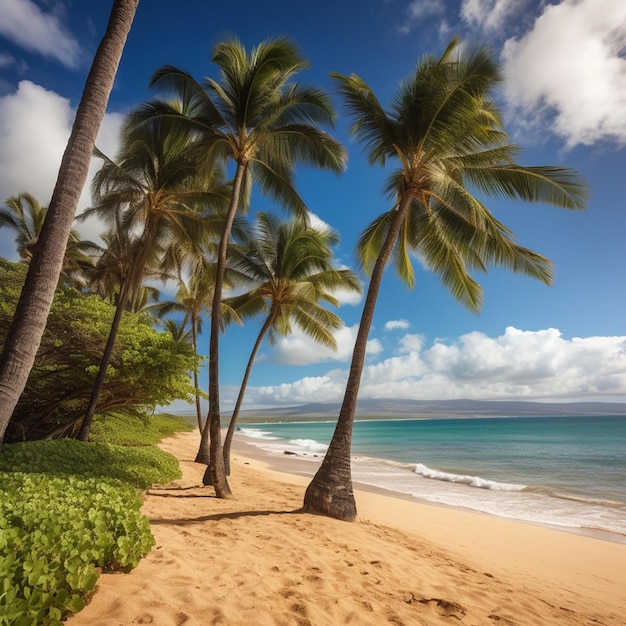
[(242, 390), (215, 473), (203, 454), (330, 492), (83, 433), (194, 340), (128, 291), (24, 335)]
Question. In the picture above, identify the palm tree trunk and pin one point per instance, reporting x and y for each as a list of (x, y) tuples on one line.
[(330, 492), (215, 472), (242, 390), (29, 321), (83, 434), (128, 292), (203, 454), (194, 341)]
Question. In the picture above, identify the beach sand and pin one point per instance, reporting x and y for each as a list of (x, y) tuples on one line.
[(254, 560)]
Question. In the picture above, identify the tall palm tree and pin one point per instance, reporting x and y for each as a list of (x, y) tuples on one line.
[(258, 118), (24, 335), (291, 263), (150, 197), (24, 215), (446, 135), (193, 299)]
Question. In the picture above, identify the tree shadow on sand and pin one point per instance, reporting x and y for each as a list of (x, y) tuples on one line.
[(216, 517)]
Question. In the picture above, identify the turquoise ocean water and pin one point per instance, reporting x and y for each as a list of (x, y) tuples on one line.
[(562, 471)]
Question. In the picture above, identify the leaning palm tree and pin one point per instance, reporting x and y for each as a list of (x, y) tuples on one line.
[(24, 215), (149, 196), (258, 118), (446, 135), (26, 331), (291, 263)]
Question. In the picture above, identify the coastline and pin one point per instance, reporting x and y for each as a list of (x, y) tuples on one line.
[(305, 466), (257, 559)]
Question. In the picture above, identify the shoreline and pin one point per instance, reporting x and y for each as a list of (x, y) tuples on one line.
[(306, 465), (257, 559)]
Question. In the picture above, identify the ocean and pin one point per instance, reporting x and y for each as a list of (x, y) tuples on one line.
[(567, 472)]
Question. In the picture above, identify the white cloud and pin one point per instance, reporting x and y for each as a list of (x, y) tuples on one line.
[(490, 15), (397, 325), (35, 125), (571, 67), (419, 9), (412, 343), (309, 389), (299, 349), (424, 8), (34, 129), (529, 365), (351, 298), (344, 296), (25, 25)]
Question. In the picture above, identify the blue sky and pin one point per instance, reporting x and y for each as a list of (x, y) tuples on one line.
[(564, 100)]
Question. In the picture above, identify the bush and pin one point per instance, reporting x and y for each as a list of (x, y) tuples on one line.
[(69, 510), (148, 367), (56, 534), (123, 429)]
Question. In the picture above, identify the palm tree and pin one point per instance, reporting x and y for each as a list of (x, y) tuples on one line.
[(192, 300), (447, 137), (24, 335), (291, 263), (150, 197), (196, 259), (257, 117), (24, 215)]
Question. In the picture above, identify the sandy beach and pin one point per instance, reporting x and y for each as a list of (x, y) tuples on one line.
[(255, 560)]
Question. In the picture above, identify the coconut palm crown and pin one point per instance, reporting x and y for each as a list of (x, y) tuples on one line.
[(291, 265), (258, 118), (152, 198), (446, 136)]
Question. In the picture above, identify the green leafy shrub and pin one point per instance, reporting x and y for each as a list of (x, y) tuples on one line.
[(137, 466), (69, 510), (148, 369), (123, 429)]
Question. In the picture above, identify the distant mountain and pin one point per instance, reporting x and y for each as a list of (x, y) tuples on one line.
[(435, 408)]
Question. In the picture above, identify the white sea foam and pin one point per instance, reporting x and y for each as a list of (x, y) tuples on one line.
[(308, 445), (256, 433), (472, 481), (280, 445), (531, 503)]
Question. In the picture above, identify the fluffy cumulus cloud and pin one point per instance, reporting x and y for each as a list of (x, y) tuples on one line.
[(397, 325), (35, 125), (571, 67), (411, 343), (26, 25), (300, 349), (529, 365)]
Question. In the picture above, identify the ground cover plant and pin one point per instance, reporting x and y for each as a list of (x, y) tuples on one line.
[(70, 510)]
